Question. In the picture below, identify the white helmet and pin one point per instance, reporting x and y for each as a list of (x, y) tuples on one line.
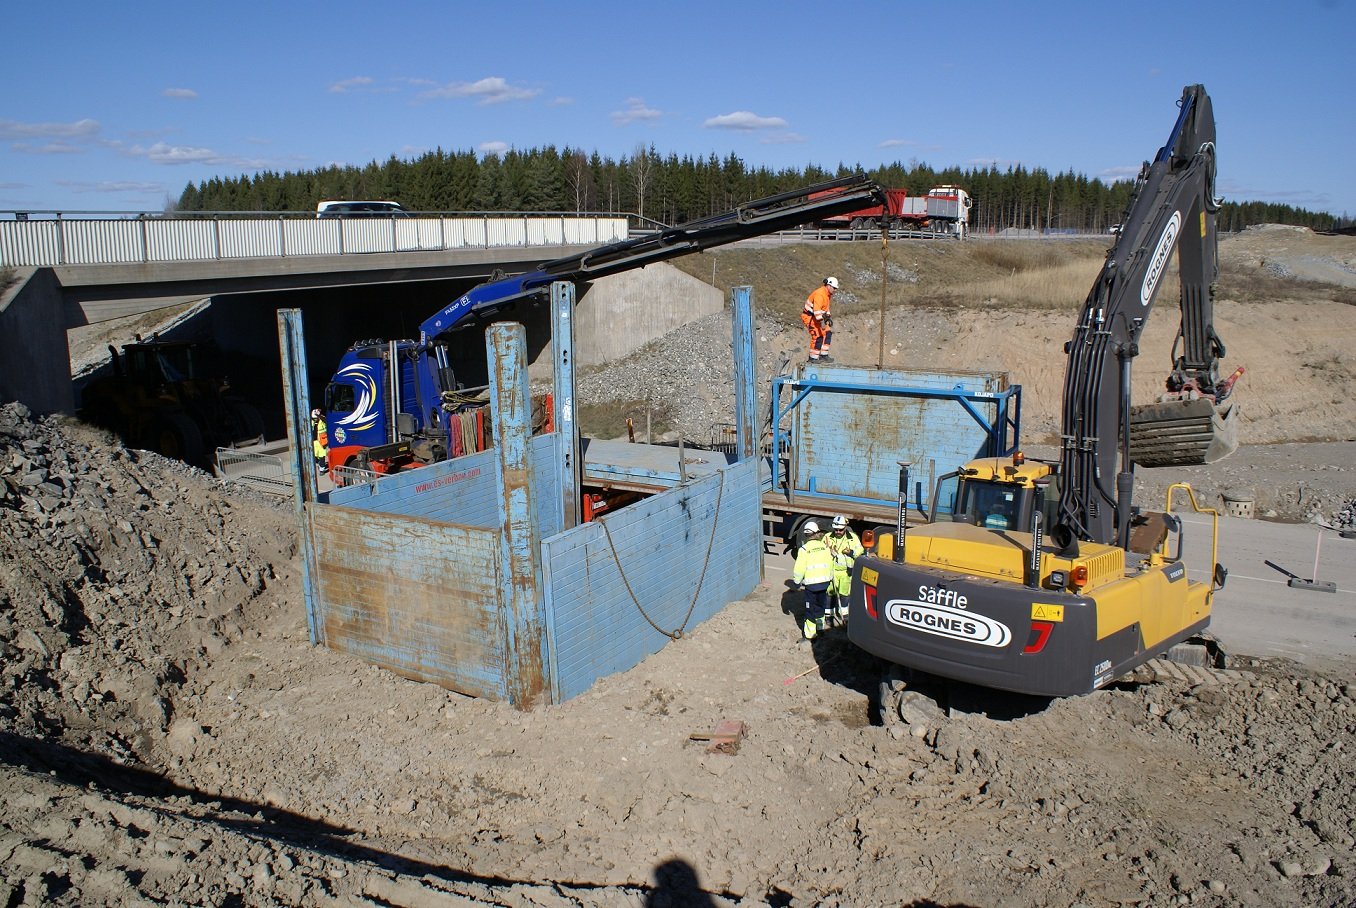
[(840, 522), (810, 528), (315, 414), (832, 282)]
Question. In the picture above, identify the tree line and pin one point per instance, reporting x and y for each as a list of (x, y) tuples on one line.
[(673, 190)]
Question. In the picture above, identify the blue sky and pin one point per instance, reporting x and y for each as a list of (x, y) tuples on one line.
[(118, 106)]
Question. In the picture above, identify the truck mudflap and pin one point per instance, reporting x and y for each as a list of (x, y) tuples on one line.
[(985, 632)]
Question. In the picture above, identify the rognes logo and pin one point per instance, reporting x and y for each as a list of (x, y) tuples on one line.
[(952, 623), (1159, 263)]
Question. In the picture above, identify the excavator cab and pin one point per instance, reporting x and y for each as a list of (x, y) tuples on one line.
[(997, 493)]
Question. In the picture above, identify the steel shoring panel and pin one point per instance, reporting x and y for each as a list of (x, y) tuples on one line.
[(646, 466)]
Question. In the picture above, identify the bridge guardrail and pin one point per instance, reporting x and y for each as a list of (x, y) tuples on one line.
[(109, 239)]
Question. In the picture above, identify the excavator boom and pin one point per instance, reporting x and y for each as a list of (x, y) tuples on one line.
[(1172, 210)]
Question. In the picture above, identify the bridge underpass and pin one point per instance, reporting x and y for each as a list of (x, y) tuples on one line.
[(344, 298)]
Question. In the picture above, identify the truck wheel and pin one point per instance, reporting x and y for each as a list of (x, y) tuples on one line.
[(177, 436), (856, 223)]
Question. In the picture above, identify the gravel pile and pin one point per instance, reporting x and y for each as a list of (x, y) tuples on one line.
[(110, 558), (688, 374)]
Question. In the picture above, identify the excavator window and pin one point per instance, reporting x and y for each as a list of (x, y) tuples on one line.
[(994, 505)]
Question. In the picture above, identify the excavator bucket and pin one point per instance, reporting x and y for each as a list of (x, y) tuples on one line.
[(1182, 432)]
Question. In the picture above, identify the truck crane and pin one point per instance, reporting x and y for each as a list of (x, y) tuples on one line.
[(394, 405), (1041, 577)]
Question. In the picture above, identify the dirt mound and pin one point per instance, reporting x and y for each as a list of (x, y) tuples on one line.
[(170, 737)]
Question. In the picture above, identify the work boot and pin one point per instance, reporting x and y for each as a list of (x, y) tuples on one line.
[(810, 628), (826, 358), (823, 623)]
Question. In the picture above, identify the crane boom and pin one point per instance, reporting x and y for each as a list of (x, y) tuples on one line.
[(757, 218)]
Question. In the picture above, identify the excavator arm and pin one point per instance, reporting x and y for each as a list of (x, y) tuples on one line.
[(1172, 209), (757, 218)]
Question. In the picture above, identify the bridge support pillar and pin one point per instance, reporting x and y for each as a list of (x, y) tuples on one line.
[(36, 360)]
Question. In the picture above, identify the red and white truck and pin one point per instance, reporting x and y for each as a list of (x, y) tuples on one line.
[(945, 209)]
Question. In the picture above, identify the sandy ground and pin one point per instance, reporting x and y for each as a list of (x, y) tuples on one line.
[(169, 737)]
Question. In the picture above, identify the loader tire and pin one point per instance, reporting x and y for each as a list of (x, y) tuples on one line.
[(245, 423), (176, 435)]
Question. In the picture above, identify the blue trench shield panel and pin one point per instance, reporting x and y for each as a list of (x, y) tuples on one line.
[(850, 443), (610, 582)]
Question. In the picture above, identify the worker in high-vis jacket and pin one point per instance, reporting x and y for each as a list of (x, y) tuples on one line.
[(813, 573), (819, 321), (846, 548), (320, 441)]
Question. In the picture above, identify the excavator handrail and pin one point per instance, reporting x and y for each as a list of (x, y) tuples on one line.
[(1214, 524)]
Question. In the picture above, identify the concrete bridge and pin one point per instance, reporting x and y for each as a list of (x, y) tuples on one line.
[(361, 277)]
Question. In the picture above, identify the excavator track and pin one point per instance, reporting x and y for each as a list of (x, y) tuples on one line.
[(1182, 433)]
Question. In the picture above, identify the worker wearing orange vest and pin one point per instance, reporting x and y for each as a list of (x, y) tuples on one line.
[(818, 321)]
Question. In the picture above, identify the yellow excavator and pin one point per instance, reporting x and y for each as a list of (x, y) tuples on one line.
[(1041, 577)]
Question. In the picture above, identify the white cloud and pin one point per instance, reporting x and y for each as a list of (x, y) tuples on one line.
[(493, 148), (354, 84), (1116, 174), (172, 155), (111, 186), (183, 94), (80, 129), (635, 112), (57, 147), (491, 90), (562, 100), (896, 143), (744, 121)]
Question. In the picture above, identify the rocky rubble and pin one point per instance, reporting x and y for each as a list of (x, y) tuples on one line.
[(112, 556)]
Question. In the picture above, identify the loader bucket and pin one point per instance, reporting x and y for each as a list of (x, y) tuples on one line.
[(1182, 432)]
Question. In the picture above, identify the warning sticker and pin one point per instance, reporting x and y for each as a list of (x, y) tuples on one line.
[(1043, 611), (870, 576)]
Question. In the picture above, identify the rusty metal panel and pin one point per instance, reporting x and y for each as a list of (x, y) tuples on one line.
[(414, 596), (463, 490), (518, 537), (850, 444), (617, 587)]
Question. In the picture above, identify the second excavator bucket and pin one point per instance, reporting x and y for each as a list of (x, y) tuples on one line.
[(1183, 432)]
